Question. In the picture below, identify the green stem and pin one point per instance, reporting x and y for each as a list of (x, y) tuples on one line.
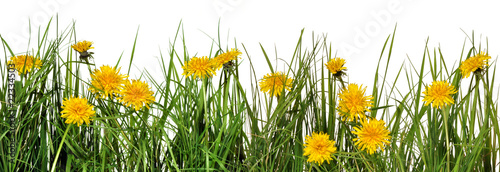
[(342, 83), (60, 147), (486, 120), (225, 93), (207, 161), (445, 116), (88, 66)]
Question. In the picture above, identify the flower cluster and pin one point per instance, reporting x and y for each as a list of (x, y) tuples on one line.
[(353, 104), (440, 93), (372, 134), (203, 67), (106, 82)]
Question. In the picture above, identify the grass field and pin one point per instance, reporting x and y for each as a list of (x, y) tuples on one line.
[(68, 114)]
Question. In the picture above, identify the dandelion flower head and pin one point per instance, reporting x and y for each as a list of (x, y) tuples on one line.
[(224, 58), (273, 83), (319, 148), (199, 67), (353, 103), (82, 46), (25, 63), (136, 94), (107, 81), (439, 94), (473, 64), (372, 135), (76, 110), (336, 66)]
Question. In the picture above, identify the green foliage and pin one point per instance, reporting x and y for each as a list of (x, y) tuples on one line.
[(220, 124)]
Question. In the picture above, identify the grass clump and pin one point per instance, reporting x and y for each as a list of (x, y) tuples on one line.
[(201, 116)]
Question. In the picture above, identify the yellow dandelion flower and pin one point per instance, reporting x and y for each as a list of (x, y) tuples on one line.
[(439, 94), (136, 94), (474, 64), (319, 148), (25, 63), (107, 81), (199, 67), (372, 135), (77, 110), (224, 58), (82, 46), (274, 83), (353, 103), (336, 66)]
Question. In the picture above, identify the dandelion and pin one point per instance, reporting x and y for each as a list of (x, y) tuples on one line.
[(199, 67), (136, 94), (372, 135), (107, 81), (439, 94), (274, 83), (77, 110), (82, 46), (353, 103), (336, 66), (225, 58), (25, 63), (319, 148), (474, 64)]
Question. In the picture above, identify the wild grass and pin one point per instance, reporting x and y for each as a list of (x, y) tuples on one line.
[(224, 124)]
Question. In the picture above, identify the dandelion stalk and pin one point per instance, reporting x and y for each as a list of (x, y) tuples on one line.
[(226, 92), (486, 122), (60, 147), (341, 82), (444, 111), (207, 124)]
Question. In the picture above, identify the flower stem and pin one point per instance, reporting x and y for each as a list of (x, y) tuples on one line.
[(342, 82), (60, 147), (445, 117), (205, 110)]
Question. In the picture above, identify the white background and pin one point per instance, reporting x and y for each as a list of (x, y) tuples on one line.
[(356, 29)]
